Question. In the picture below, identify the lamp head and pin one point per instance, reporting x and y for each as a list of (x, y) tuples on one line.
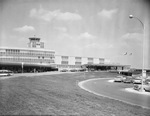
[(131, 16)]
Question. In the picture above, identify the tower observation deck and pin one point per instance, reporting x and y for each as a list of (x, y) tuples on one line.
[(34, 42)]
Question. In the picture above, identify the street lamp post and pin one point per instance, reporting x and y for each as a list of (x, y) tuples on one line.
[(22, 66), (143, 71)]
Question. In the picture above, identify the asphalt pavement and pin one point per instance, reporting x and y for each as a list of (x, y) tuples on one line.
[(117, 91)]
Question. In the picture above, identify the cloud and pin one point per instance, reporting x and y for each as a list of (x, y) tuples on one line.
[(86, 35), (51, 15), (131, 42), (100, 46), (68, 16), (61, 29), (25, 28), (65, 37), (93, 45), (132, 37), (107, 13)]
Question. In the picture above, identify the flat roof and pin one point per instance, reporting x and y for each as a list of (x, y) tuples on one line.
[(34, 38), (105, 65), (81, 56), (34, 49)]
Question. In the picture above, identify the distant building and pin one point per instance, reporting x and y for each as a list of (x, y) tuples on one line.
[(37, 59), (34, 42), (30, 59), (76, 62)]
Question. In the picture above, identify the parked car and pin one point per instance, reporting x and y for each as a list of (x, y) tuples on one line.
[(81, 70), (119, 78), (127, 79), (137, 87), (147, 80), (73, 70), (6, 73), (147, 88), (137, 81), (63, 70)]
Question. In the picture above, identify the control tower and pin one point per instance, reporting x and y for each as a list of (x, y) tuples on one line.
[(34, 42)]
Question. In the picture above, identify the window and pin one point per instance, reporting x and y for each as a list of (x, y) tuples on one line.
[(64, 62), (77, 63), (64, 58), (101, 60)]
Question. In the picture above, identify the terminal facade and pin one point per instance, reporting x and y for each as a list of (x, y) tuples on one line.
[(32, 59), (37, 59), (75, 62)]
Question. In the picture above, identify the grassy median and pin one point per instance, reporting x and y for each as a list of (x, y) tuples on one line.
[(60, 95)]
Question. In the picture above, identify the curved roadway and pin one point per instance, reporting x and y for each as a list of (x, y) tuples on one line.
[(116, 91)]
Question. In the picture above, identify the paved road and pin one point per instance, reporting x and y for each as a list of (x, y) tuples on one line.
[(116, 91)]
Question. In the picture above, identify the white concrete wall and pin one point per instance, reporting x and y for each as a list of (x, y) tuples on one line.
[(96, 60), (106, 61), (58, 59), (71, 60), (84, 60)]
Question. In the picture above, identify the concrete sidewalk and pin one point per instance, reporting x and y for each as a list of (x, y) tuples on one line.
[(137, 92)]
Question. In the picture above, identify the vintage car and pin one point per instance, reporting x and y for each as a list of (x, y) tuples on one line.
[(137, 80), (119, 78), (73, 70), (139, 87), (6, 73), (147, 80), (147, 88), (128, 79), (63, 70)]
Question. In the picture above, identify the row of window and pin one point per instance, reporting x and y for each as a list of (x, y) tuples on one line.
[(35, 44), (26, 51), (13, 50), (66, 57), (66, 62), (78, 63), (27, 54), (68, 66), (90, 62), (27, 60), (90, 59), (78, 59), (18, 57)]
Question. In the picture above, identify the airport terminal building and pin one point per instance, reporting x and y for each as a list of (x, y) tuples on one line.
[(31, 59), (37, 59)]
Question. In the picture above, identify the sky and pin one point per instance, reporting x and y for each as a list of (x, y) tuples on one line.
[(87, 28)]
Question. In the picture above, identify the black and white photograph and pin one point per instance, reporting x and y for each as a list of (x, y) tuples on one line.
[(75, 57)]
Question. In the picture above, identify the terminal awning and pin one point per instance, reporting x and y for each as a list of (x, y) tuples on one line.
[(27, 64), (115, 65)]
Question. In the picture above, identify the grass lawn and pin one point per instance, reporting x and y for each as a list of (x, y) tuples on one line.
[(60, 95)]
